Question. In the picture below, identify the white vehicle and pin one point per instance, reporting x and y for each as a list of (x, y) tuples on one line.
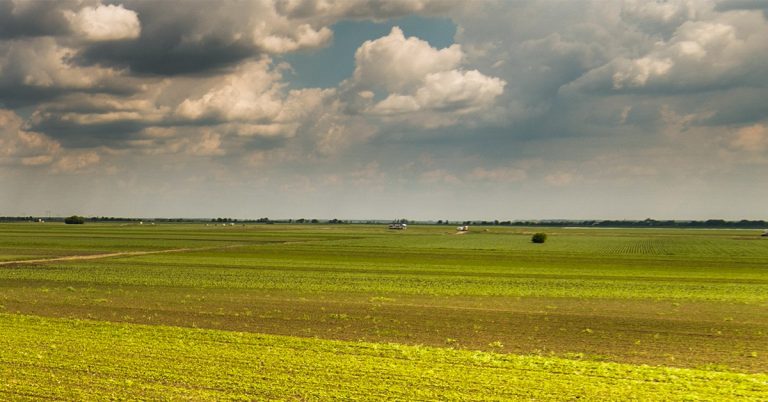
[(765, 233)]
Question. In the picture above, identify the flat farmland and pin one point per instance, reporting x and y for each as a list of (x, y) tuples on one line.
[(418, 314)]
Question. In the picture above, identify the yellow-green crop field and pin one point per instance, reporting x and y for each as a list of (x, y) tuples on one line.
[(356, 312)]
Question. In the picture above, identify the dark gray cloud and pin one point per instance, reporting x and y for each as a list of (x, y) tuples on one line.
[(731, 5), (166, 55), (33, 18), (14, 97), (177, 39), (19, 95), (745, 105), (363, 9), (73, 134)]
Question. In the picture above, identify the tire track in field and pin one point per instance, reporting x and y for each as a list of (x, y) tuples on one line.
[(117, 254)]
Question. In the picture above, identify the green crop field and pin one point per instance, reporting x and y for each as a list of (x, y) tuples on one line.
[(318, 312)]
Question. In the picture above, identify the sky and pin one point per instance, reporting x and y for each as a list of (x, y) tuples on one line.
[(369, 109)]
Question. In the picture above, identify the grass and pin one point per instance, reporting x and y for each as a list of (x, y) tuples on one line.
[(616, 299)]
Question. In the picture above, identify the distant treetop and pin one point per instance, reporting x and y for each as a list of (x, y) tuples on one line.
[(74, 220)]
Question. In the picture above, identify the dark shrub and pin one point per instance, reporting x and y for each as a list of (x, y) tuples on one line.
[(539, 238), (74, 220)]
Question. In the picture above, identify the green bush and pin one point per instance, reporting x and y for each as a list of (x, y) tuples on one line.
[(539, 238), (74, 220)]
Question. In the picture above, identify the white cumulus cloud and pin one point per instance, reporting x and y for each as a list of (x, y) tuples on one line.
[(302, 37), (251, 93), (106, 23), (418, 77), (458, 89), (398, 64), (698, 55)]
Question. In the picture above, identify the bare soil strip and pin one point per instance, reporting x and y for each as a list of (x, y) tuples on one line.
[(118, 254)]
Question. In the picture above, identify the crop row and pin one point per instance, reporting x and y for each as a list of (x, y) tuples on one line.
[(82, 274), (55, 358)]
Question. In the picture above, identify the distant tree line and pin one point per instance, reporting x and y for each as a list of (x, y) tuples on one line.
[(651, 223), (62, 219), (646, 223)]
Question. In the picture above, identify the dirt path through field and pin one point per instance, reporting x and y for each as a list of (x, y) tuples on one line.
[(118, 254)]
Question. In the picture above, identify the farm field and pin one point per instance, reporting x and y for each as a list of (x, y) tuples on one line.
[(277, 311)]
